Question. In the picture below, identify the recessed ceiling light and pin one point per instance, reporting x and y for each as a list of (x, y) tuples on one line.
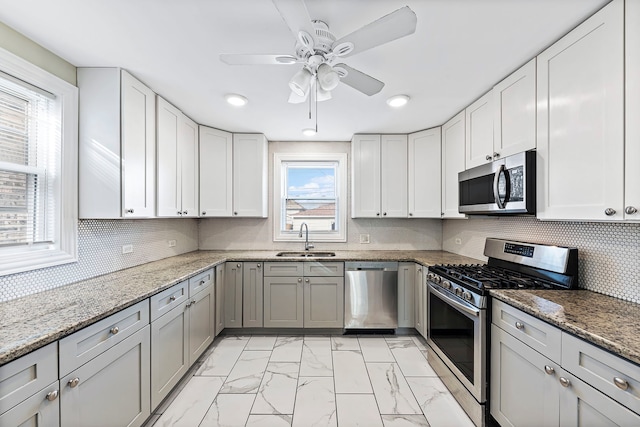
[(308, 132), (236, 100), (398, 100)]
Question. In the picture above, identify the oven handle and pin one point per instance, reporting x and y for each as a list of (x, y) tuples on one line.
[(469, 309), (496, 180)]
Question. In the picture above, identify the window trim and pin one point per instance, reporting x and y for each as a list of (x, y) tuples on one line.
[(20, 258), (341, 197)]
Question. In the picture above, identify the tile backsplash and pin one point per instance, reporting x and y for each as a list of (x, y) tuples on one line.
[(100, 251), (608, 252)]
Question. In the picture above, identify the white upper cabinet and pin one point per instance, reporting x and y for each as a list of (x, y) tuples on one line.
[(632, 111), (117, 153), (379, 176), (250, 175), (424, 185), (177, 151), (479, 131), (216, 172), (453, 161), (580, 133)]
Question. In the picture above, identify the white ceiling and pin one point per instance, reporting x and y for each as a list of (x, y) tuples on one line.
[(460, 49)]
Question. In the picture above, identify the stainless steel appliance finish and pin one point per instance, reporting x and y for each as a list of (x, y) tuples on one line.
[(504, 186), (371, 295)]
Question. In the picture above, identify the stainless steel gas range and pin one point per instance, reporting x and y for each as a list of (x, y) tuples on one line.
[(458, 320)]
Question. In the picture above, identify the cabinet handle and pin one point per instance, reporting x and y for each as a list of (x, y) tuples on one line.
[(496, 155), (306, 280), (114, 330), (630, 210), (410, 214), (621, 383), (299, 279), (74, 382), (564, 382), (488, 157), (258, 265), (609, 212), (204, 212), (238, 265), (172, 298), (235, 213), (129, 211), (179, 213), (519, 325), (549, 370), (384, 214), (377, 213), (185, 212), (52, 395), (201, 282)]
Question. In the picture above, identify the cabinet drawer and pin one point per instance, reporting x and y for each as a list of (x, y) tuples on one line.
[(612, 375), (200, 281), (27, 375), (284, 269), (166, 300), (82, 346), (316, 268), (539, 335), (37, 410)]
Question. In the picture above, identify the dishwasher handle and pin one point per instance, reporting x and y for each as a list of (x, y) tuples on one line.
[(371, 266)]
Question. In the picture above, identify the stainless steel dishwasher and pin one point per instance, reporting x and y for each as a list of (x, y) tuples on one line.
[(371, 295)]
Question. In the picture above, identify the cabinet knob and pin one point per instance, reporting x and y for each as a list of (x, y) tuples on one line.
[(238, 265), (630, 210), (488, 157), (549, 370), (258, 265), (204, 213), (410, 214), (52, 395), (202, 282), (172, 298), (496, 155), (114, 330), (419, 270), (179, 213), (299, 279), (185, 212), (377, 213), (306, 280), (129, 211), (621, 383), (235, 213), (519, 325), (609, 211), (564, 382), (384, 214), (74, 382)]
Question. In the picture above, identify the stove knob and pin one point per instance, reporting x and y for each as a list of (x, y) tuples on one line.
[(467, 296), (445, 284), (459, 292), (431, 276), (437, 278)]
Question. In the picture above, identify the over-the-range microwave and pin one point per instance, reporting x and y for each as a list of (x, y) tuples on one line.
[(504, 186)]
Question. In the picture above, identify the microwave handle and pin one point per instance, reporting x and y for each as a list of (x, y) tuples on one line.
[(496, 179)]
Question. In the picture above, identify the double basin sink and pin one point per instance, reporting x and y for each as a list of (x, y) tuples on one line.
[(306, 254)]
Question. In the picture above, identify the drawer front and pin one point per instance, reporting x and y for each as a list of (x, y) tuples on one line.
[(539, 335), (331, 269), (612, 375), (37, 410), (168, 299), (284, 269), (201, 281), (82, 346), (27, 375)]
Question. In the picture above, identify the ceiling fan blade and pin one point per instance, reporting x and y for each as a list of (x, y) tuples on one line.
[(360, 81), (390, 27), (259, 59), (296, 16)]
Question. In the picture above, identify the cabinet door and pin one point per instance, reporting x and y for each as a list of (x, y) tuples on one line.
[(233, 295), (188, 153), (169, 191), (169, 357), (250, 192), (114, 386), (283, 302), (425, 174), (581, 121), (452, 163), (514, 105), (393, 176), (324, 302), (632, 111), (216, 172), (425, 305), (406, 292), (418, 304), (138, 121), (219, 298), (252, 291), (522, 392), (365, 176), (201, 322), (479, 131), (37, 410)]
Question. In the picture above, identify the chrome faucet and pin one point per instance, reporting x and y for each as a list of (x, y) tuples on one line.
[(307, 245)]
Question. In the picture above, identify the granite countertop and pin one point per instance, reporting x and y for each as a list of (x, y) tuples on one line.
[(608, 322), (31, 322)]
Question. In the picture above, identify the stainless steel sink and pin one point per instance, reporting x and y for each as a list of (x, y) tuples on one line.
[(306, 254)]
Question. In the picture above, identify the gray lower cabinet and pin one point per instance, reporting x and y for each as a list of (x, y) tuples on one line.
[(37, 410), (406, 292), (420, 301), (233, 295), (113, 386), (324, 302), (283, 302), (201, 322), (219, 284), (252, 293)]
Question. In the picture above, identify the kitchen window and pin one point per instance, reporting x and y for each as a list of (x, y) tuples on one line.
[(38, 167), (310, 188)]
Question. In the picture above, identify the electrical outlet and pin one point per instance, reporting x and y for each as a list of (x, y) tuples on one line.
[(127, 249), (172, 243), (458, 241), (364, 238)]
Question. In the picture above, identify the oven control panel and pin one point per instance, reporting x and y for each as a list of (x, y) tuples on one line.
[(456, 291), (516, 249)]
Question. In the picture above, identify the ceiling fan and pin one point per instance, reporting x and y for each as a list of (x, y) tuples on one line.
[(317, 49)]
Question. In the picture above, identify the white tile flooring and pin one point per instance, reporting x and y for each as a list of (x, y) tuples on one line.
[(370, 380)]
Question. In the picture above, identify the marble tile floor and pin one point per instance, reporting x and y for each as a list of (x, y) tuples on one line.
[(303, 381)]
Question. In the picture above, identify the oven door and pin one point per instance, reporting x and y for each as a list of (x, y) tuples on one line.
[(456, 331)]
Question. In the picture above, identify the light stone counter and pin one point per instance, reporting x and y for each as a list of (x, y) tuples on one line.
[(31, 322)]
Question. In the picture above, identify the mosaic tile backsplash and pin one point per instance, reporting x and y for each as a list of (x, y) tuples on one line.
[(609, 253), (100, 251)]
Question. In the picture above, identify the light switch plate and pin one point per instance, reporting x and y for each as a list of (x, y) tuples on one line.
[(364, 238), (172, 243), (127, 249)]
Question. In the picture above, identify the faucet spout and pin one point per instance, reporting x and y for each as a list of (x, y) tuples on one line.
[(307, 245)]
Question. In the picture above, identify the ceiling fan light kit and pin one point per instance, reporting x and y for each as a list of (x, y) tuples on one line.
[(300, 82), (236, 100), (398, 101)]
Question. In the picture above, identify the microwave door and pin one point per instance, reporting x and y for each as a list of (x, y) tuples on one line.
[(501, 186)]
